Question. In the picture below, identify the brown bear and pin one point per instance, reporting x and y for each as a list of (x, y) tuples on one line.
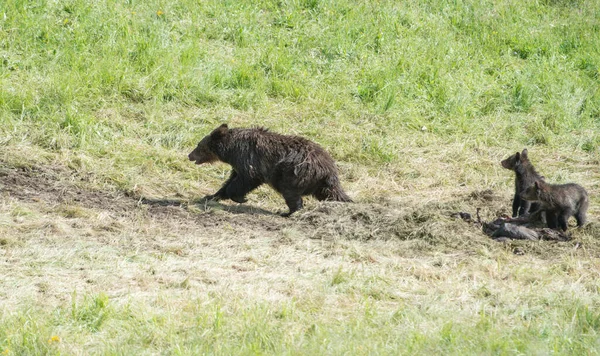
[(525, 176), (560, 202), (292, 165)]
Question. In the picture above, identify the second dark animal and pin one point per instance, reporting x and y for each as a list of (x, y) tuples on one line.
[(292, 165), (525, 176), (560, 202)]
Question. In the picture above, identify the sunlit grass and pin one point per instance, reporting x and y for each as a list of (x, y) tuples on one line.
[(417, 101)]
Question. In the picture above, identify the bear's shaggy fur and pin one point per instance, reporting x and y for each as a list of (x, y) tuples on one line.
[(525, 176), (292, 165), (560, 202)]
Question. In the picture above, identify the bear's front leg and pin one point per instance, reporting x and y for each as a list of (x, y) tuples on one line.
[(238, 187), (525, 207), (552, 219), (516, 204), (222, 193)]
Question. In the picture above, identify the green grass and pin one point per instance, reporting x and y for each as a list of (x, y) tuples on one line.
[(225, 326), (417, 101), (169, 71)]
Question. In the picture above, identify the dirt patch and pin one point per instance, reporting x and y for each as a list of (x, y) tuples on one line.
[(484, 195), (59, 186), (56, 185)]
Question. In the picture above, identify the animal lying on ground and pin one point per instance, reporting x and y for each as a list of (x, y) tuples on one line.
[(525, 176), (559, 202), (292, 165)]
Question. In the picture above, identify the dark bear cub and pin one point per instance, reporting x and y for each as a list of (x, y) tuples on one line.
[(560, 202), (525, 176), (292, 165)]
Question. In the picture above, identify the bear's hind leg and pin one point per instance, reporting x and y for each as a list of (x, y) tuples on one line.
[(580, 215), (294, 202)]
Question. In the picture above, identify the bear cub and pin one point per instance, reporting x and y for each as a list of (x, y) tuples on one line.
[(292, 165), (525, 176), (560, 202)]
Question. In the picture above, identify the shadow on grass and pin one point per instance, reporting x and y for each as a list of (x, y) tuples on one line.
[(164, 202), (205, 204), (245, 209)]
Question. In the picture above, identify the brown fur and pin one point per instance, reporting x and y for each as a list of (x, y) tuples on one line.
[(292, 165), (525, 176), (560, 202)]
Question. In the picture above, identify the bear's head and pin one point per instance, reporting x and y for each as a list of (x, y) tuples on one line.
[(205, 151), (514, 160), (535, 191)]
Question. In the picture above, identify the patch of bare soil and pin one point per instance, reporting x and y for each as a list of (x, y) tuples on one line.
[(55, 185)]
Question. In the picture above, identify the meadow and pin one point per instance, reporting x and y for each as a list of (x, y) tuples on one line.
[(107, 248)]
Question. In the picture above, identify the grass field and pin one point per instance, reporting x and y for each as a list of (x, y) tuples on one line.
[(106, 247)]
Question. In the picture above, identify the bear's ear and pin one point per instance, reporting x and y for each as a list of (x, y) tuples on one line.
[(219, 131), (524, 154), (538, 185), (517, 157)]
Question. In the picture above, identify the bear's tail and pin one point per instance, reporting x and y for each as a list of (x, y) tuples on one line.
[(332, 190)]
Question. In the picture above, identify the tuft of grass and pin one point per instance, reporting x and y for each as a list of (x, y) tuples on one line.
[(91, 312)]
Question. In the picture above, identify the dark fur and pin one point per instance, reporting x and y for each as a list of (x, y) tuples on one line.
[(292, 165), (560, 202), (525, 176)]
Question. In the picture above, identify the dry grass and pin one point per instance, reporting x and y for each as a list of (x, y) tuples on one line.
[(106, 246), (107, 262)]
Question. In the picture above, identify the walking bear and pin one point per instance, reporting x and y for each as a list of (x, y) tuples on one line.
[(525, 176), (292, 165), (560, 202)]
